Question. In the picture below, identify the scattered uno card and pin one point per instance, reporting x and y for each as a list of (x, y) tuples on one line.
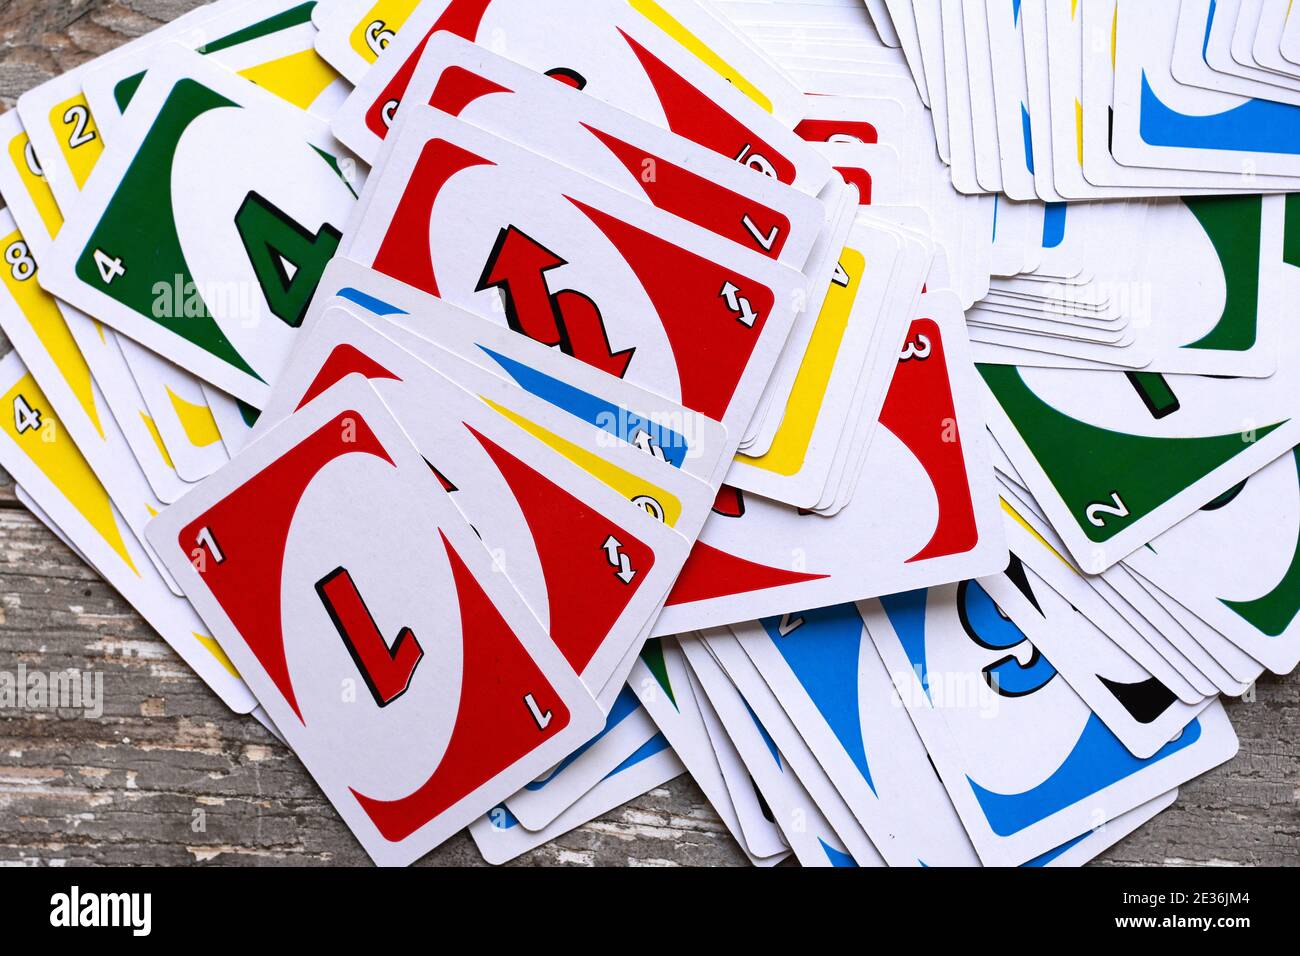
[(1027, 765), (670, 63), (494, 704), (882, 412), (645, 297), (222, 191), (592, 566), (756, 558)]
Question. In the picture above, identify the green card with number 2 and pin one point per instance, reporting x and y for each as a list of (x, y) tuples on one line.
[(1116, 458)]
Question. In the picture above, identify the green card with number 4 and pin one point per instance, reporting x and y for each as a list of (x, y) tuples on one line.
[(205, 227), (1116, 458)]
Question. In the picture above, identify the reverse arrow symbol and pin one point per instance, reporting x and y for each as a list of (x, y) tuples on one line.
[(617, 559), (739, 304), (583, 334), (648, 445), (518, 267)]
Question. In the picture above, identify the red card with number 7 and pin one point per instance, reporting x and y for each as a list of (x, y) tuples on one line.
[(364, 612)]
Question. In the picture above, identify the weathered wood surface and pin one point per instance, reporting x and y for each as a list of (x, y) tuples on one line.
[(168, 776)]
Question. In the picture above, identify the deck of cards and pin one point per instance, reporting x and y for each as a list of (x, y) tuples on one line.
[(879, 411)]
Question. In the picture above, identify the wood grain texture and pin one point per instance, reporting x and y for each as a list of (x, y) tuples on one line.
[(168, 776)]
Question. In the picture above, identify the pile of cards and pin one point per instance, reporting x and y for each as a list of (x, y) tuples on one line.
[(1040, 105), (514, 406), (1068, 100)]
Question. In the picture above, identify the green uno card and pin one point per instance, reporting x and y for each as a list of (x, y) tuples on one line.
[(1207, 300), (207, 224), (1116, 458), (1236, 564)]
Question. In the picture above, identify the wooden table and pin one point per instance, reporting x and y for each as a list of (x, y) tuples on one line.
[(168, 776)]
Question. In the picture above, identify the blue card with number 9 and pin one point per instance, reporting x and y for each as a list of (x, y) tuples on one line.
[(1027, 764)]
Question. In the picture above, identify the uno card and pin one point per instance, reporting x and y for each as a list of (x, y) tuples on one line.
[(234, 231), (756, 558), (592, 567), (609, 280), (669, 63), (458, 698), (1027, 764), (556, 121)]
